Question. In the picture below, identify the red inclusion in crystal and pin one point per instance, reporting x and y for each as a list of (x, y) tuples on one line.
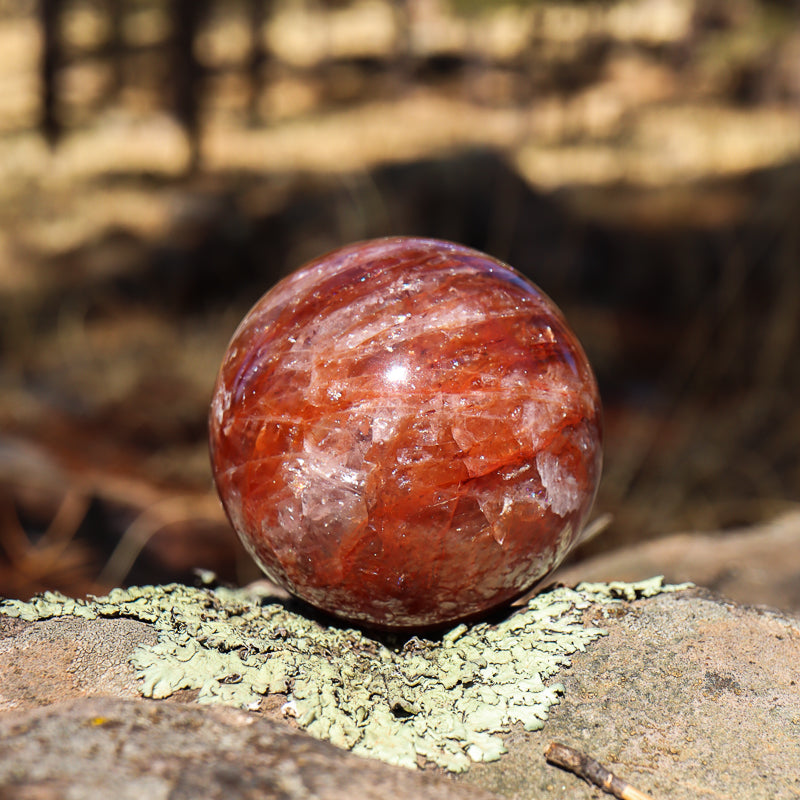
[(405, 433)]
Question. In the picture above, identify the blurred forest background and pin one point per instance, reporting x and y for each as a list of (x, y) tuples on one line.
[(163, 162)]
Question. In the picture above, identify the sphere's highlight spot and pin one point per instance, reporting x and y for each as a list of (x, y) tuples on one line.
[(405, 433)]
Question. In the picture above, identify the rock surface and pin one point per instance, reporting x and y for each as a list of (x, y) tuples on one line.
[(132, 749), (688, 696), (68, 657), (756, 566)]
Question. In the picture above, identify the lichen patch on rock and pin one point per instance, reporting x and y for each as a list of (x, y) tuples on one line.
[(446, 701)]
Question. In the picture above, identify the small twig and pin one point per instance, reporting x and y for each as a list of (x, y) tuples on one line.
[(592, 771)]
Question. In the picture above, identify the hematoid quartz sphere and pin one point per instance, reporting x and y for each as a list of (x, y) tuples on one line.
[(406, 433)]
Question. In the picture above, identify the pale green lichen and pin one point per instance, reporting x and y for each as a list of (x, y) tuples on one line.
[(445, 700)]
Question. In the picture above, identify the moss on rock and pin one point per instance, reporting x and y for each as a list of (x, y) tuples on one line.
[(446, 700)]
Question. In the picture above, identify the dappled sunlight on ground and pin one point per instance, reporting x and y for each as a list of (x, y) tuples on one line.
[(640, 160)]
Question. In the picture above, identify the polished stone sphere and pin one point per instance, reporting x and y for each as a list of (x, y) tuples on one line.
[(405, 433)]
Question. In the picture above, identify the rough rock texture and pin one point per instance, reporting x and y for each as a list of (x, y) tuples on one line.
[(405, 432), (446, 701), (756, 566), (66, 657), (688, 697), (134, 749)]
